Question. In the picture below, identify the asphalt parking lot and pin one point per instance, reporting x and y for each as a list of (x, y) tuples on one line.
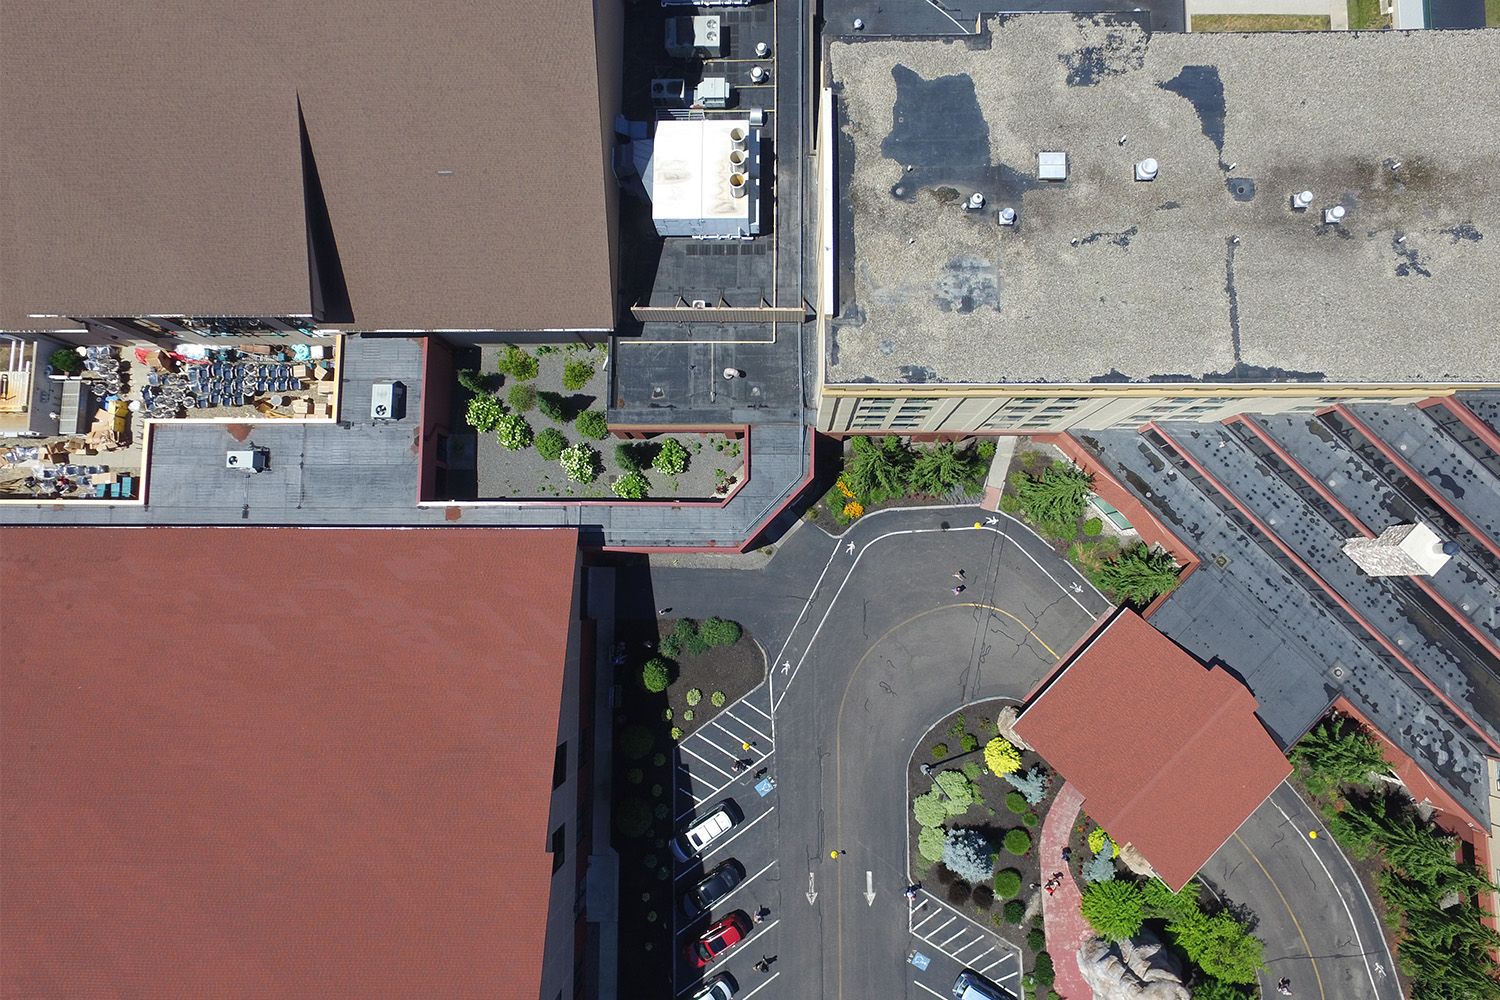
[(733, 758), (945, 941)]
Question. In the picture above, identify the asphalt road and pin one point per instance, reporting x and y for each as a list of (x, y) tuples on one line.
[(868, 648), (1311, 910)]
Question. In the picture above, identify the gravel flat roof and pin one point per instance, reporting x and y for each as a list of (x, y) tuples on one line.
[(1205, 273)]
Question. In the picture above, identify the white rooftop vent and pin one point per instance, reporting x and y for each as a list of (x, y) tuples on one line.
[(1301, 200), (249, 460), (757, 74), (762, 49), (1006, 216), (975, 202), (1145, 170), (1333, 216), (1052, 166), (1401, 550)]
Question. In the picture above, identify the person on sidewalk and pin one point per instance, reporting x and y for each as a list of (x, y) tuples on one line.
[(958, 590)]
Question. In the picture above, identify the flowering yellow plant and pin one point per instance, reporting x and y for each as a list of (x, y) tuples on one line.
[(853, 509)]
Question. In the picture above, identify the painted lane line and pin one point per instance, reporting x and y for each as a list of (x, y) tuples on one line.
[(1295, 922), (715, 792), (720, 845), (768, 982), (1358, 943), (764, 713), (929, 989), (708, 762)]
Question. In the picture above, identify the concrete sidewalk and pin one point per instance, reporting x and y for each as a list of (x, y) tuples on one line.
[(1066, 928)]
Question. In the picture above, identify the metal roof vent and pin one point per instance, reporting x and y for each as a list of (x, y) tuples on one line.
[(1145, 170), (1301, 200), (1052, 166), (1006, 216), (1333, 216), (975, 202), (762, 49), (757, 74)]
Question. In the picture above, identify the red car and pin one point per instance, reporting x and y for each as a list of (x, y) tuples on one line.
[(719, 938)]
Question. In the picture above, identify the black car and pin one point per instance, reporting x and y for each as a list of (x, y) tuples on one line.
[(719, 883)]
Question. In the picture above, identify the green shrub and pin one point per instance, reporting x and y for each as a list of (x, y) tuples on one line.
[(1015, 911), (718, 632), (484, 413), (517, 364), (694, 645), (929, 810), (635, 776), (694, 696), (1007, 883), (985, 449), (666, 716), (513, 432), (1016, 802), (552, 406), (1098, 869), (1001, 756), (1092, 527), (1017, 841), (576, 375), (684, 629), (580, 462), (479, 385), (1036, 939), (592, 424), (522, 398), (940, 751), (676, 733), (670, 647), (630, 457), (1140, 575), (1010, 503), (633, 818), (1114, 909), (671, 459), (659, 759), (931, 841), (971, 770), (1043, 971), (631, 486), (717, 699), (550, 444), (1030, 819), (969, 742), (968, 855), (636, 741), (656, 675), (1059, 496), (958, 791), (688, 715)]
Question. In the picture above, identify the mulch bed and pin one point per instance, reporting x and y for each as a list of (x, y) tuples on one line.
[(992, 816), (646, 957)]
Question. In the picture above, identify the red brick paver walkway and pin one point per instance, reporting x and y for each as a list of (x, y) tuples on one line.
[(1066, 928)]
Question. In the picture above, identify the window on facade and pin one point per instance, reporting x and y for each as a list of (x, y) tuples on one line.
[(560, 766), (559, 846)]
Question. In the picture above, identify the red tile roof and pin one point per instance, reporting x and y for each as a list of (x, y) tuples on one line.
[(279, 762), (1169, 756)]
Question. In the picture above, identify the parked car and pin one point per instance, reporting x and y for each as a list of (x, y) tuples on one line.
[(720, 987), (715, 886), (725, 817), (719, 938), (970, 985)]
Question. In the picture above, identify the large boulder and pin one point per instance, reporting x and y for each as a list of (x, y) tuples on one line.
[(1005, 725), (1136, 861), (1138, 969)]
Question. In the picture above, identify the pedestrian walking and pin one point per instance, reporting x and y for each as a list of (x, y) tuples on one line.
[(662, 611), (958, 590), (1067, 853), (959, 575)]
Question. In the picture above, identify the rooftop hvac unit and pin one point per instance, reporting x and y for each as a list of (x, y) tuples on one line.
[(387, 401), (252, 460), (693, 36), (668, 93), (712, 92)]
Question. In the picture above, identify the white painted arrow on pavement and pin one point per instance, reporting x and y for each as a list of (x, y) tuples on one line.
[(812, 894), (869, 889)]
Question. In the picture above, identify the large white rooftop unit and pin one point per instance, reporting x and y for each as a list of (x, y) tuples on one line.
[(705, 179), (694, 36)]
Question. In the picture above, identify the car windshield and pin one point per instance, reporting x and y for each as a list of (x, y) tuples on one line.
[(702, 951)]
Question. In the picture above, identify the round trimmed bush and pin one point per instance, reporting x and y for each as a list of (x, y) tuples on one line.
[(592, 424), (631, 486), (1016, 802), (676, 733), (688, 715), (513, 432), (656, 675), (550, 442), (635, 776), (658, 759), (633, 818), (1092, 527), (717, 699), (636, 741), (576, 375), (940, 751), (1018, 842), (1045, 974), (969, 742), (1015, 911), (1031, 819), (718, 632), (65, 361), (666, 716), (1007, 883), (1036, 939), (694, 696), (522, 397), (930, 843)]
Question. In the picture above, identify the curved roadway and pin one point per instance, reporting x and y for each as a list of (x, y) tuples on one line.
[(869, 648)]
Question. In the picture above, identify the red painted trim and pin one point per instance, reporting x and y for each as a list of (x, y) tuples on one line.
[(1417, 478), (1348, 608), (1472, 422), (1422, 582)]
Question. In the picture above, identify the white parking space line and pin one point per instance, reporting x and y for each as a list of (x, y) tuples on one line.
[(709, 763), (747, 725), (698, 801), (929, 989), (742, 831), (747, 996), (936, 929), (962, 931), (763, 712), (978, 937), (763, 929), (999, 979)]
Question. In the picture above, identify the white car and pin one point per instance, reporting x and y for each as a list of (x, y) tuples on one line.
[(720, 987), (725, 817)]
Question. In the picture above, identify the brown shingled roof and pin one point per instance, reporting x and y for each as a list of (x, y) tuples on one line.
[(150, 164), (1169, 756), (279, 762)]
